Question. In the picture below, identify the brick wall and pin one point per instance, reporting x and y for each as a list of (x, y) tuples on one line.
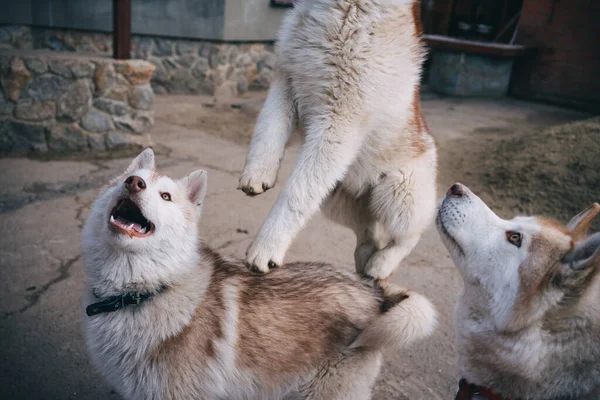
[(566, 68)]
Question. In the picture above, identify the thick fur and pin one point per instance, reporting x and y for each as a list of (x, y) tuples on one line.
[(216, 331), (348, 75), (528, 318)]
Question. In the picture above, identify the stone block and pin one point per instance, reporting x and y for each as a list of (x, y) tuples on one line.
[(160, 74), (113, 107), (47, 87), (73, 104), (83, 69), (186, 60), (61, 67), (6, 106), (97, 121), (104, 77), (142, 47), (16, 79), (200, 68), (37, 66), (4, 36), (67, 138), (163, 47), (136, 71), (97, 142), (119, 140), (139, 122), (184, 47), (116, 140), (33, 110), (141, 97), (18, 137)]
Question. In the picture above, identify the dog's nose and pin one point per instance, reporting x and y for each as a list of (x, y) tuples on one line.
[(456, 190), (135, 184)]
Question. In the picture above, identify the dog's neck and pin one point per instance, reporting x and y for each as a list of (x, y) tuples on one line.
[(113, 273), (512, 362)]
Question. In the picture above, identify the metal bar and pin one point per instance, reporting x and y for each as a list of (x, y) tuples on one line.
[(121, 29)]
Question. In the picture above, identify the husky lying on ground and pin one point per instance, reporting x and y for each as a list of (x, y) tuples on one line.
[(204, 327), (349, 75), (528, 319)]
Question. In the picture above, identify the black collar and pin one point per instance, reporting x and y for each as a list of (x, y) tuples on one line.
[(116, 303)]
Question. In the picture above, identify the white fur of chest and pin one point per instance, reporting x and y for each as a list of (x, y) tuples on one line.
[(484, 355), (123, 347)]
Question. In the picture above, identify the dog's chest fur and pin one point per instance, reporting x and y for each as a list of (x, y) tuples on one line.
[(224, 332), (557, 359)]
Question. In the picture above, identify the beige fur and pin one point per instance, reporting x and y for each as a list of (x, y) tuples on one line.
[(348, 75), (528, 319), (214, 330)]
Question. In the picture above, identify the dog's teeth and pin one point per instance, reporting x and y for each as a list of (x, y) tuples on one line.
[(130, 226), (143, 230), (112, 218)]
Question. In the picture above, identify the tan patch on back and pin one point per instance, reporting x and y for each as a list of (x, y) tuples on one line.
[(420, 138), (416, 14), (305, 320), (289, 321)]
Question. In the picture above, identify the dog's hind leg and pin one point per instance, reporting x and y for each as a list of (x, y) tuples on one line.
[(404, 203), (354, 213), (349, 378), (275, 124)]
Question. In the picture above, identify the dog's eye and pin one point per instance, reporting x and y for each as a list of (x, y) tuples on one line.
[(165, 196), (514, 238)]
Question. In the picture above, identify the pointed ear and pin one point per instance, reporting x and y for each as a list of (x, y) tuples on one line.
[(195, 184), (585, 253), (580, 224), (145, 160)]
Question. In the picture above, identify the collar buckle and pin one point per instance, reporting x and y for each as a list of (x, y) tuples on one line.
[(116, 303)]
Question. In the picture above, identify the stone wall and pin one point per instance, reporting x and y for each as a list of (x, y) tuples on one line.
[(182, 66), (63, 102)]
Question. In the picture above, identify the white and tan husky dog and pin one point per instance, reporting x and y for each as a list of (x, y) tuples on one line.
[(528, 318), (170, 319), (348, 74)]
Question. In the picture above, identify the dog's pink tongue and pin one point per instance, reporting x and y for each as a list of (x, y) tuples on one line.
[(127, 224)]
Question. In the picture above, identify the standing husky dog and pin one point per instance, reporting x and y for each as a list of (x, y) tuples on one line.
[(204, 327), (528, 319), (349, 74)]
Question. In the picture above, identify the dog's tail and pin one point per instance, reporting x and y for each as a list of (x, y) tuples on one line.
[(406, 317)]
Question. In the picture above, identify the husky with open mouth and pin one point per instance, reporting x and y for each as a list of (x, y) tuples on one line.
[(528, 318), (168, 318)]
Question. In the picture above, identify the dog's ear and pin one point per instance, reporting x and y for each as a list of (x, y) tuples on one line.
[(195, 184), (580, 224), (584, 254), (145, 160)]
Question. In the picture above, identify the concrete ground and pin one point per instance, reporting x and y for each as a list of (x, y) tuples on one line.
[(43, 204)]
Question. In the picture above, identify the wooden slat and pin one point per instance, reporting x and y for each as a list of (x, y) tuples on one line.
[(121, 29), (483, 48)]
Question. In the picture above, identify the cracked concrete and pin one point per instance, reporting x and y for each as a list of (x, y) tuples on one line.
[(43, 204)]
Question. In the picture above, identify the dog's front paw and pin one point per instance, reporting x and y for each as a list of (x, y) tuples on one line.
[(380, 265), (257, 180), (261, 258)]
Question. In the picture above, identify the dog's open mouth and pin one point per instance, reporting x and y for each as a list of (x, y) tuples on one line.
[(126, 217)]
